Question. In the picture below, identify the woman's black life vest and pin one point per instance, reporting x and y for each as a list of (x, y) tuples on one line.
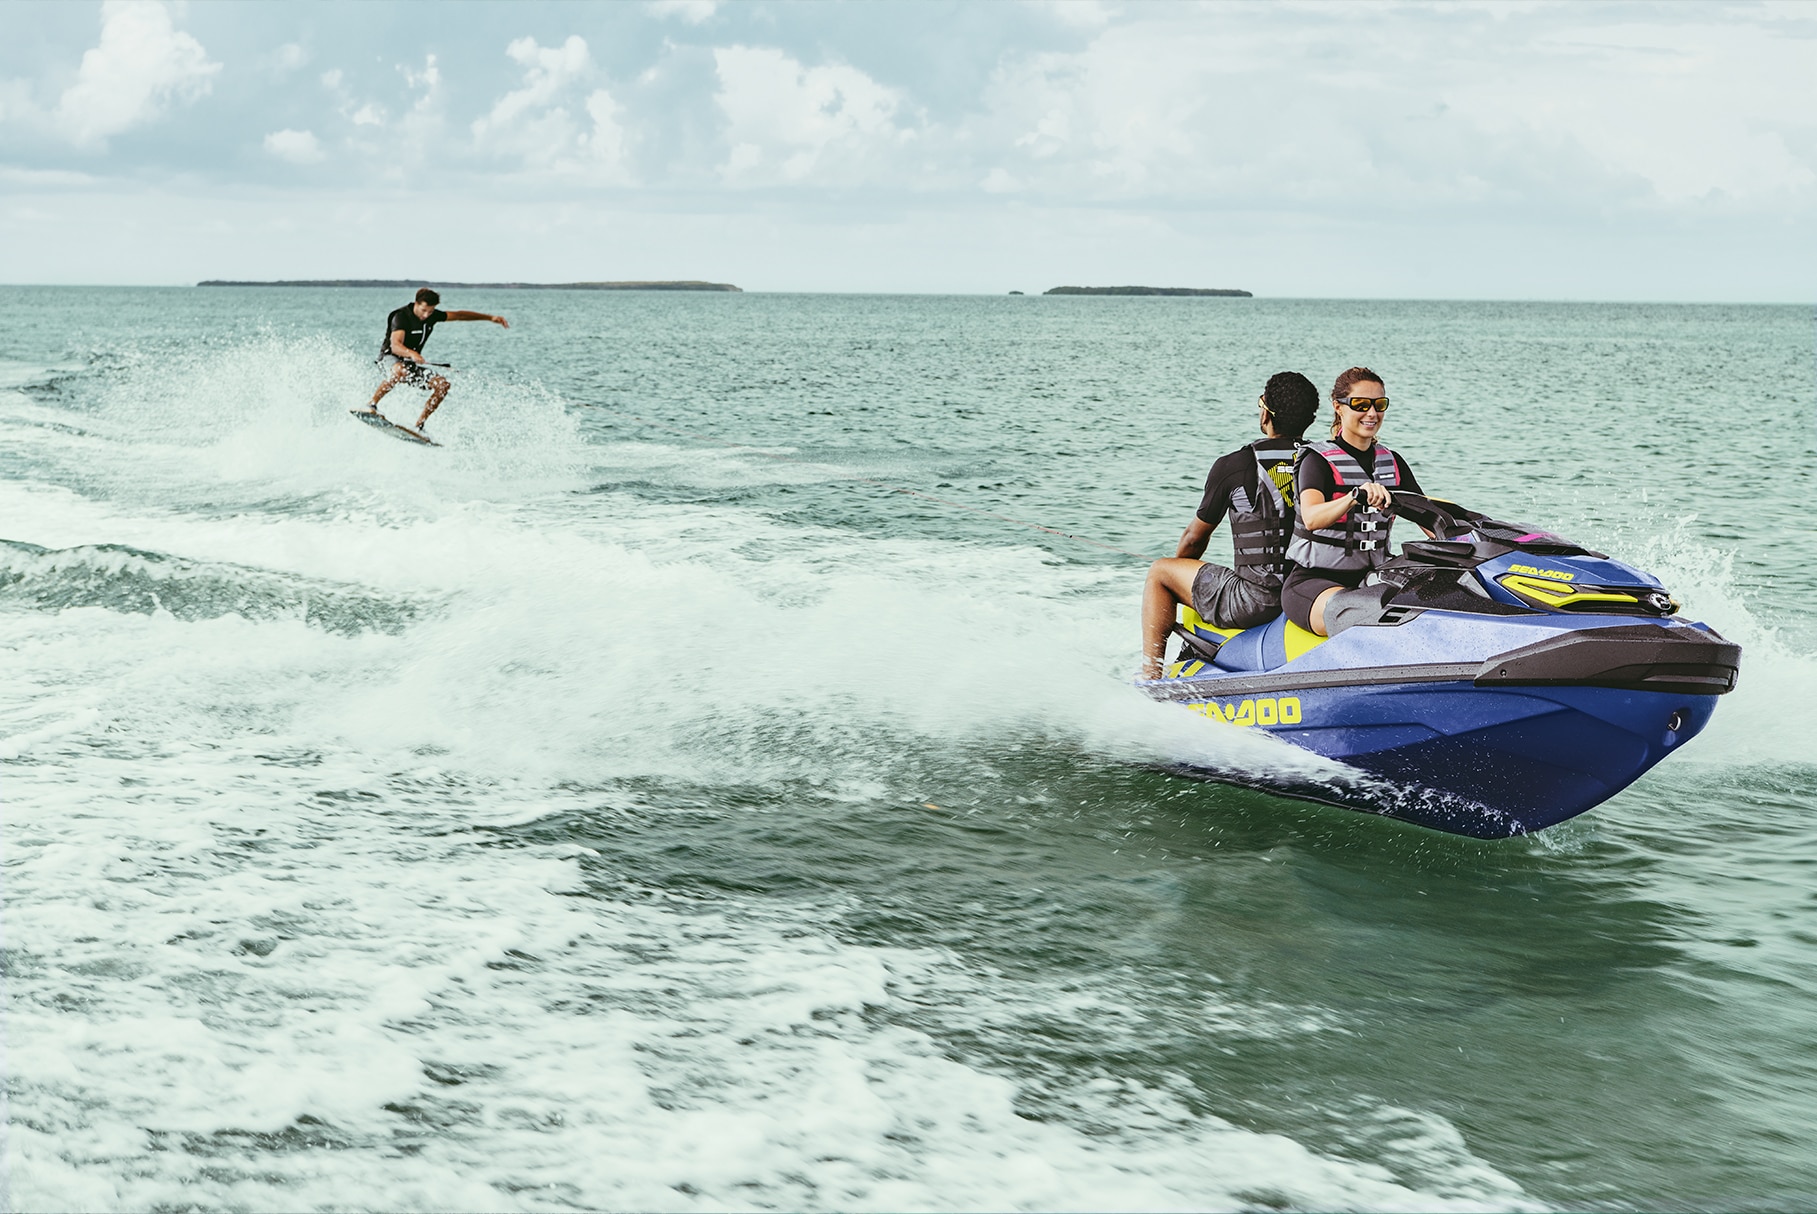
[(1259, 528), (1360, 538)]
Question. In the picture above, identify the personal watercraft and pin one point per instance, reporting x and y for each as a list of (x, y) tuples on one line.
[(1492, 680)]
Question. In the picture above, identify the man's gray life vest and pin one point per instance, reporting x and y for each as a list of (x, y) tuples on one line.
[(1259, 528), (1360, 539)]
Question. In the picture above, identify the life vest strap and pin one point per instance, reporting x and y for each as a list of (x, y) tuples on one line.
[(1261, 520), (1315, 537)]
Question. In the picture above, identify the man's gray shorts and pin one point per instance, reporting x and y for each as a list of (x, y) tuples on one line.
[(1223, 598)]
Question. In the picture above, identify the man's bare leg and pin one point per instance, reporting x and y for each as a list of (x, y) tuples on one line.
[(1169, 584), (397, 373), (438, 390)]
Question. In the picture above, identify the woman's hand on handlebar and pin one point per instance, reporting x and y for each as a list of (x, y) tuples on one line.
[(1377, 495)]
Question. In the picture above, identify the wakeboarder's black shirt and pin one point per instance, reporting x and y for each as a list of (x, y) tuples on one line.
[(1236, 471), (416, 331), (1315, 473)]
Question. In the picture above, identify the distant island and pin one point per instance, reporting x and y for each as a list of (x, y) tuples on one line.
[(1226, 291), (682, 285)]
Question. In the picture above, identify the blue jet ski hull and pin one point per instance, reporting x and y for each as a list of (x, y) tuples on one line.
[(1501, 763), (1479, 725)]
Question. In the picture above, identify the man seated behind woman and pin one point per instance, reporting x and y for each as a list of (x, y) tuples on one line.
[(1342, 495), (1254, 485)]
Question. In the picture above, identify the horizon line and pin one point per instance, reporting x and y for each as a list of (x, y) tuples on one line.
[(974, 294)]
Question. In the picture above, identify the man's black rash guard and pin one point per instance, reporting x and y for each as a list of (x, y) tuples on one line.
[(1315, 473), (415, 330)]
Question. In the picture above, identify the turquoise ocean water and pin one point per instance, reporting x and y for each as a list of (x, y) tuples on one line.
[(589, 815)]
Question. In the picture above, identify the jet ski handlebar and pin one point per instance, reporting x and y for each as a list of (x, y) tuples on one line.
[(1450, 521), (1446, 520)]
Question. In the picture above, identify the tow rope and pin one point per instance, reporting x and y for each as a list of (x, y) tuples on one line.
[(867, 480)]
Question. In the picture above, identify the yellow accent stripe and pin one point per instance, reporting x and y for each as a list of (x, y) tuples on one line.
[(1299, 641), (1196, 623), (1559, 594)]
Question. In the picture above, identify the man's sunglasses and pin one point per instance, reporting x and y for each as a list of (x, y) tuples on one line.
[(1362, 404)]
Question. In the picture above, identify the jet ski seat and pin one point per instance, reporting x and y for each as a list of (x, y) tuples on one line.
[(1264, 647)]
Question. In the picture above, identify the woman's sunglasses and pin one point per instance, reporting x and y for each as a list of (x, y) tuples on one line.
[(1362, 404)]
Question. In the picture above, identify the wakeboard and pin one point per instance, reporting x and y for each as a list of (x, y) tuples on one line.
[(378, 421)]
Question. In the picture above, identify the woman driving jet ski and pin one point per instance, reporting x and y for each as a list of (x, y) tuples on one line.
[(1341, 491)]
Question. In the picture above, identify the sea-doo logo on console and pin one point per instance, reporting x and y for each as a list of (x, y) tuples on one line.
[(1284, 711), (1555, 574)]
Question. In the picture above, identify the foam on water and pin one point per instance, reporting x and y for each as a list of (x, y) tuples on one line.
[(1769, 717), (643, 1057), (266, 968), (556, 611), (265, 420)]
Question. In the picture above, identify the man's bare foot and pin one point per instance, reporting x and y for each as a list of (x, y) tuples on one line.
[(1150, 671)]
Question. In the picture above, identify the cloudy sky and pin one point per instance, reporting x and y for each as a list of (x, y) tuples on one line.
[(1494, 150)]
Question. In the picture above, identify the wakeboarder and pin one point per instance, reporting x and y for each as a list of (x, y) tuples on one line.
[(401, 352)]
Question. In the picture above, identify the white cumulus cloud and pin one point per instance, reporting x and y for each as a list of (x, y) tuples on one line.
[(1703, 109), (528, 119), (141, 65), (692, 11), (1080, 14), (297, 147), (606, 141), (786, 120), (545, 121), (1486, 108)]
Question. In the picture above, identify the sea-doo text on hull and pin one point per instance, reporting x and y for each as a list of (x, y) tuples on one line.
[(1495, 680)]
